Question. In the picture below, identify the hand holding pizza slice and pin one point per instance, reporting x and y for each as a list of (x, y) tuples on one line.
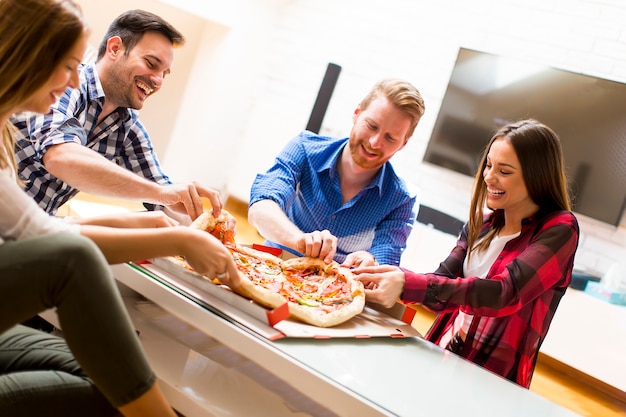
[(222, 227), (318, 293)]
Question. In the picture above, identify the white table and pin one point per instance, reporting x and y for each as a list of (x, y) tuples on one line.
[(589, 335), (209, 365)]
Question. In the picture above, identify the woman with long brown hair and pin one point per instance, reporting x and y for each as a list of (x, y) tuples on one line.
[(499, 288)]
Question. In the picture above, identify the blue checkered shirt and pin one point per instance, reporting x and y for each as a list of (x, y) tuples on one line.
[(305, 183), (120, 137)]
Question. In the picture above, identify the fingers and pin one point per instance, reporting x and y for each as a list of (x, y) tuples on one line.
[(230, 275), (379, 295), (383, 284), (359, 259), (160, 219), (234, 280), (209, 257), (196, 208), (231, 222), (212, 195), (190, 197), (318, 244)]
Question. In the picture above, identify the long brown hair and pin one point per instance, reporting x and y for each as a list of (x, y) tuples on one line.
[(36, 36), (539, 152)]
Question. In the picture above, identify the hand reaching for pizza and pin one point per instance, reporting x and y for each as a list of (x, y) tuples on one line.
[(318, 244), (186, 198), (320, 293), (359, 258), (219, 263), (134, 219), (222, 226), (383, 284)]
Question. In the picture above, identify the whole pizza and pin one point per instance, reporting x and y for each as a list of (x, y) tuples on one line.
[(317, 293)]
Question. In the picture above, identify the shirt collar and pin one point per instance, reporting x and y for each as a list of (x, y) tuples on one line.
[(94, 86), (331, 166)]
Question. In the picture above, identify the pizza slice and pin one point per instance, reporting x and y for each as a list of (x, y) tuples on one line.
[(222, 227), (261, 276), (317, 293), (322, 294)]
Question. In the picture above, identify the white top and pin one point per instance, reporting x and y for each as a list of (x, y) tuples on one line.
[(479, 266), (21, 217)]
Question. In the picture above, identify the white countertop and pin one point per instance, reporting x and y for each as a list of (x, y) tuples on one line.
[(589, 334), (376, 376)]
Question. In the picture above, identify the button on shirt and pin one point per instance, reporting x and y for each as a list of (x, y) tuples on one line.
[(120, 137), (304, 182)]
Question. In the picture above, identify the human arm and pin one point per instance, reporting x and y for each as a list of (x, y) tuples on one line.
[(68, 150), (206, 255), (383, 284), (88, 171), (521, 274), (22, 218), (133, 219), (289, 190), (359, 258), (271, 222)]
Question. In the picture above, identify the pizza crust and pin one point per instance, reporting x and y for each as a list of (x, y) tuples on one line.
[(268, 257), (305, 262), (307, 315), (218, 226), (307, 310), (316, 316), (206, 221), (259, 295)]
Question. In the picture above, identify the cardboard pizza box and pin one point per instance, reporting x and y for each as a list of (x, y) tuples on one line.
[(278, 252), (374, 321)]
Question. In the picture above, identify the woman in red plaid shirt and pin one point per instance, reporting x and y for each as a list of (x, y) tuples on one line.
[(499, 288)]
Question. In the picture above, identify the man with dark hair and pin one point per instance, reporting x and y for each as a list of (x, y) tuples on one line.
[(92, 139)]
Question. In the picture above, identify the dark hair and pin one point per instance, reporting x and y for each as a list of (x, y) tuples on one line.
[(131, 26), (539, 152), (402, 95)]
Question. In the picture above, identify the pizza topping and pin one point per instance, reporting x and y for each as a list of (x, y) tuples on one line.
[(318, 293), (221, 227)]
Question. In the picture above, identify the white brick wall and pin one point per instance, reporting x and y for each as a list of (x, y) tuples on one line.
[(418, 40)]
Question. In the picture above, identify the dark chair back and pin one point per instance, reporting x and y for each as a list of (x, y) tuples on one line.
[(439, 220)]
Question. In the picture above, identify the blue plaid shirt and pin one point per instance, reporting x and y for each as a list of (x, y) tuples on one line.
[(305, 183), (120, 137)]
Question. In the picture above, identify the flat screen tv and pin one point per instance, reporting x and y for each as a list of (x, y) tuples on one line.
[(588, 113)]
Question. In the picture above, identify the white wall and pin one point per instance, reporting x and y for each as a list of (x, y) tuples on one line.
[(259, 64), (161, 110), (419, 40)]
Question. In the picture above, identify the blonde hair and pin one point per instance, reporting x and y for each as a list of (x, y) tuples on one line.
[(36, 36), (401, 94)]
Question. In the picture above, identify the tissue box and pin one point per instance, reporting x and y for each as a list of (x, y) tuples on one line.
[(596, 290), (580, 280)]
